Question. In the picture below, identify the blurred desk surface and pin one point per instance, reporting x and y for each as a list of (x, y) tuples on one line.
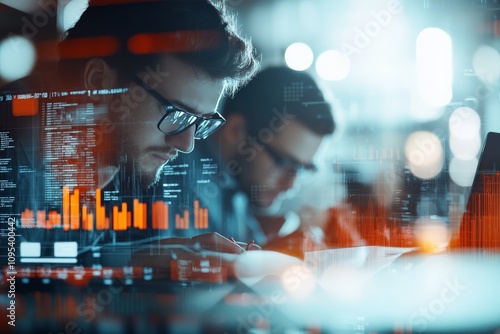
[(275, 293)]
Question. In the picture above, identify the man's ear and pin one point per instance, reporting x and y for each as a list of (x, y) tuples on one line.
[(99, 75), (235, 128)]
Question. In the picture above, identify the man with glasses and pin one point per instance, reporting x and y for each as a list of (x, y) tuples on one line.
[(135, 84), (173, 60), (274, 126)]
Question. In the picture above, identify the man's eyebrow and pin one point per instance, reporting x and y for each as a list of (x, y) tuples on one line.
[(188, 108)]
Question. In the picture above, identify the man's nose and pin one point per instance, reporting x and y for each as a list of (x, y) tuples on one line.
[(184, 141)]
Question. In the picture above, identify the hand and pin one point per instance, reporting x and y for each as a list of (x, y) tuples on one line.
[(215, 242), (211, 241), (295, 243), (247, 246), (217, 249)]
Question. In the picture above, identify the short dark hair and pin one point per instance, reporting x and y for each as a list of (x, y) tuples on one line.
[(198, 32), (282, 88)]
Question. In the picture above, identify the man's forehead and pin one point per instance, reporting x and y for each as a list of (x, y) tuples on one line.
[(206, 104), (187, 87)]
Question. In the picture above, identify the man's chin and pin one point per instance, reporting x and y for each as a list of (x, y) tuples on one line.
[(153, 178), (149, 178), (268, 205), (265, 202), (153, 171)]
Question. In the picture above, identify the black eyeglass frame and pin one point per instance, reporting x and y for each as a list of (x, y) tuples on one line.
[(289, 163), (170, 108)]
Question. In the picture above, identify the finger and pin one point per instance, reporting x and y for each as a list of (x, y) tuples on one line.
[(218, 243), (254, 247)]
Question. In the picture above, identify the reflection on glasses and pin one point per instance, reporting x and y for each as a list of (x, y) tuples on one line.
[(177, 120), (289, 163)]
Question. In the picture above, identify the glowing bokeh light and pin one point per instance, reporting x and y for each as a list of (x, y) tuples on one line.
[(462, 171), (299, 56), (333, 65), (298, 281), (17, 58), (431, 234), (486, 64), (434, 67), (464, 123), (424, 154), (72, 12)]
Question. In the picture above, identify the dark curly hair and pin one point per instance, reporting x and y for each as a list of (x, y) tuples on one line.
[(283, 89), (199, 32)]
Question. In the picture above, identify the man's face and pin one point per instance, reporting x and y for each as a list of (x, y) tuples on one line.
[(141, 147), (262, 178)]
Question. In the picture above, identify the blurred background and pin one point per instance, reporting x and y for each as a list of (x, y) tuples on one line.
[(414, 86), (415, 90)]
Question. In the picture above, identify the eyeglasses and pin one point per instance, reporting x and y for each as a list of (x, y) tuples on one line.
[(289, 163), (177, 120)]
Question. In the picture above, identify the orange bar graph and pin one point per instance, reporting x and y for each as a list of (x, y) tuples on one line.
[(196, 214), (186, 219), (90, 221), (200, 216), (75, 217), (160, 215), (87, 219), (122, 218), (52, 220), (27, 218), (481, 221), (164, 216), (65, 207), (178, 221), (40, 218), (135, 208), (139, 215), (100, 213), (204, 218), (84, 218), (115, 218), (75, 210), (182, 223)]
